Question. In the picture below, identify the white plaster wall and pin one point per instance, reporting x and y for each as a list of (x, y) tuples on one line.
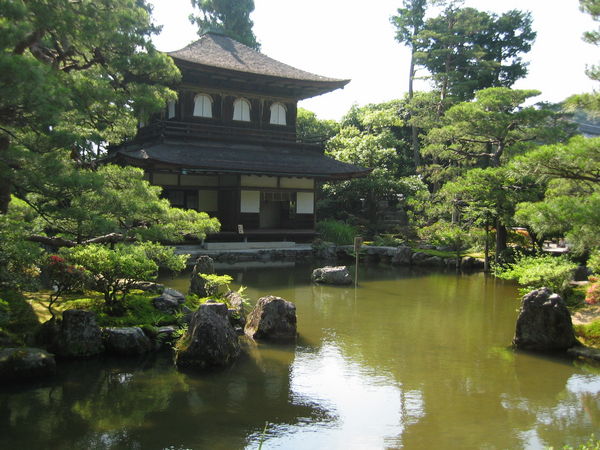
[(256, 181), (305, 203), (250, 202), (199, 180), (297, 183), (165, 179)]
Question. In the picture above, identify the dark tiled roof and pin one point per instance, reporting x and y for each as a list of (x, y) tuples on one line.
[(242, 158), (216, 50)]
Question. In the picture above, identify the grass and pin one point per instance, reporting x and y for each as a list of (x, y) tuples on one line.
[(139, 309), (447, 254), (589, 334)]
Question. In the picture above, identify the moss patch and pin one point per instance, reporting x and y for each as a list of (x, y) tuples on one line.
[(589, 334), (446, 254)]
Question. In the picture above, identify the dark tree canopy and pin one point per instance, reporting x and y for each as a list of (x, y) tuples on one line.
[(229, 17), (466, 50), (75, 75)]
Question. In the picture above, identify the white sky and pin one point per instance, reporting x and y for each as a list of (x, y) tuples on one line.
[(354, 39)]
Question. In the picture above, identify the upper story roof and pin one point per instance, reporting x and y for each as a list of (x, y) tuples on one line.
[(219, 52)]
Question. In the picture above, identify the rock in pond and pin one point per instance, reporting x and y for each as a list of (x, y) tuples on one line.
[(274, 319), (25, 363), (169, 301), (126, 341), (204, 264), (77, 335), (332, 275), (210, 341), (237, 313), (544, 323)]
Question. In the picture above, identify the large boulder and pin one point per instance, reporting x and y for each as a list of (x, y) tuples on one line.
[(77, 335), (544, 323), (204, 264), (125, 340), (274, 319), (332, 275), (148, 286), (210, 340), (169, 302), (25, 363), (403, 256)]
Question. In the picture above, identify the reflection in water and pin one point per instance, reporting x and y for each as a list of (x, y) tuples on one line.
[(353, 393), (406, 360)]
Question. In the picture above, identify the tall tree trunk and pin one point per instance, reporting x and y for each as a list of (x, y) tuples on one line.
[(414, 131), (5, 184), (501, 238)]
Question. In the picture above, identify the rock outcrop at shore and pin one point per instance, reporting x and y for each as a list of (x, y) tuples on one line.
[(272, 319), (25, 363), (77, 335), (126, 341), (210, 341), (544, 323)]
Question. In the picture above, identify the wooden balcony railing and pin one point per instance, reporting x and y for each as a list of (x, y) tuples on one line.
[(192, 130)]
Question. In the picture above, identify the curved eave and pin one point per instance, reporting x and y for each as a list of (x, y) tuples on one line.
[(299, 165), (298, 88)]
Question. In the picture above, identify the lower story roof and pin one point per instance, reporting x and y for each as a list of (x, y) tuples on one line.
[(239, 158)]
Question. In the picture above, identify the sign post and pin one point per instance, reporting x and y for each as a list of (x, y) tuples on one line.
[(357, 245)]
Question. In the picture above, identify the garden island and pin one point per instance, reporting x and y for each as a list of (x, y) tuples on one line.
[(188, 259)]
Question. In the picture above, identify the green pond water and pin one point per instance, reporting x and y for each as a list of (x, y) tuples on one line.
[(416, 360)]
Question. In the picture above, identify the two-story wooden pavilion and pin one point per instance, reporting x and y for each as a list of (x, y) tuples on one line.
[(228, 146)]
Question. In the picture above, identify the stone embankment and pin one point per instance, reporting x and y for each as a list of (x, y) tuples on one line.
[(399, 256)]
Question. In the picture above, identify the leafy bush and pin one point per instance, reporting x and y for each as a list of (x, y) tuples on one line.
[(453, 237), (339, 233), (114, 270), (4, 313), (18, 257), (593, 262), (592, 293), (387, 240), (535, 272), (216, 285), (63, 277), (118, 269), (164, 257)]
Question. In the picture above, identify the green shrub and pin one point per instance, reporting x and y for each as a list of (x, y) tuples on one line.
[(453, 237), (534, 272), (114, 270), (216, 285), (387, 240), (339, 233), (63, 277), (592, 293), (593, 262), (4, 313)]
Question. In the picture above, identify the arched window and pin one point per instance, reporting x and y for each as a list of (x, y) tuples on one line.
[(278, 114), (241, 110), (202, 105), (170, 109)]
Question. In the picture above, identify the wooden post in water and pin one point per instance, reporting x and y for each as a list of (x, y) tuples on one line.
[(357, 244)]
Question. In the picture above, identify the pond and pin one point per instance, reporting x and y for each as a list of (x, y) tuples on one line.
[(405, 360)]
